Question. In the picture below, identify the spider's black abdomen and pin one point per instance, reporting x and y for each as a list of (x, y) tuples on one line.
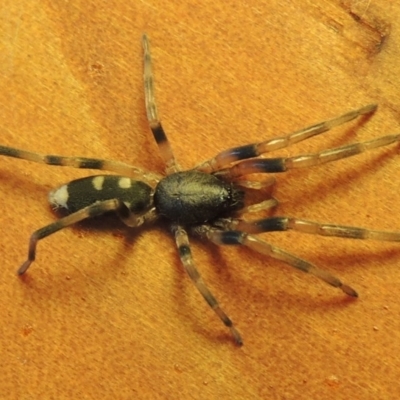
[(193, 197), (84, 192)]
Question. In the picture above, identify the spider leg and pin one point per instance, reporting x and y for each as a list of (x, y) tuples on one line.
[(220, 237), (273, 224), (93, 210), (223, 159), (152, 113), (185, 254), (305, 160), (82, 162), (260, 206), (255, 185)]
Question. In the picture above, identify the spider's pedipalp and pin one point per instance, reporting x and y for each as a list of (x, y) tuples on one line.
[(185, 254), (270, 165), (223, 159), (152, 113), (220, 237)]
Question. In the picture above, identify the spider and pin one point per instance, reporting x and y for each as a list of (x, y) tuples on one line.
[(207, 200)]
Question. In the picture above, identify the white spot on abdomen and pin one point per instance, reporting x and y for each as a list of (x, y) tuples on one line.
[(97, 182), (59, 197), (124, 183)]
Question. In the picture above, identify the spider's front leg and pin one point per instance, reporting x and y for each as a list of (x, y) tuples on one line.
[(234, 237), (227, 157), (185, 254), (284, 164), (237, 231), (279, 224)]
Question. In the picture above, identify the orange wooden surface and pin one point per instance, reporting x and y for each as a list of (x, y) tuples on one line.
[(110, 314)]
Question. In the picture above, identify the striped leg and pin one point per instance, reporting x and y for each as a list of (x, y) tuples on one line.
[(87, 212), (152, 114), (256, 188), (223, 159), (182, 242), (274, 224), (264, 205), (256, 185), (82, 162), (241, 238), (268, 165)]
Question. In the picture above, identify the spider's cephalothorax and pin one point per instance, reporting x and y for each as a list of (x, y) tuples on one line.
[(193, 197), (207, 200)]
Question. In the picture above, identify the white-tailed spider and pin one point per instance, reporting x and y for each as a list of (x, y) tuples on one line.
[(207, 200)]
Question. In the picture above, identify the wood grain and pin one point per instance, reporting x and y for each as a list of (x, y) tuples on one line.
[(107, 312)]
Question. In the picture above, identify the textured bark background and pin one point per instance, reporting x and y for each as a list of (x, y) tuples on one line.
[(107, 312)]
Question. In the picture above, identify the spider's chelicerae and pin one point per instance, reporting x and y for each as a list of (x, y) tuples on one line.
[(207, 201)]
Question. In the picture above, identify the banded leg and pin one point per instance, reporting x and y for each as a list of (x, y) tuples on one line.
[(82, 162), (268, 165), (274, 224), (152, 113), (223, 159), (185, 254), (87, 212), (241, 238), (254, 187), (264, 205)]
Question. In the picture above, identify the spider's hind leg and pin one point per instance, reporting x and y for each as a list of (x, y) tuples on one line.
[(82, 162), (93, 210), (152, 114)]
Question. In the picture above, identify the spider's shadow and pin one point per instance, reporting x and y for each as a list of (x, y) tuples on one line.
[(108, 224), (312, 194), (236, 290), (321, 258), (315, 193), (113, 224)]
